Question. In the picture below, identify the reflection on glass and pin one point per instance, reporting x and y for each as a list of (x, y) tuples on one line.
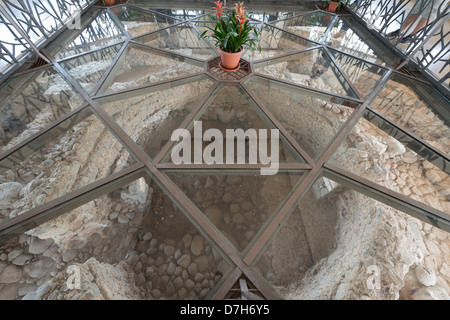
[(231, 109), (312, 68), (89, 68), (378, 152), (342, 245), (138, 22), (99, 32), (13, 46), (418, 108), (75, 153), (132, 243), (311, 25), (140, 65), (269, 13), (275, 42), (182, 39), (365, 76), (237, 204), (30, 102), (344, 38), (312, 119), (182, 13), (150, 115)]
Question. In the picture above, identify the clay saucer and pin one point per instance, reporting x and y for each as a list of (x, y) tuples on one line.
[(229, 70)]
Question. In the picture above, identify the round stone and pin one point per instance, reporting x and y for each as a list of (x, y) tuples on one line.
[(189, 284), (184, 261), (214, 214), (227, 197), (197, 245), (238, 218), (147, 236), (425, 276), (192, 269)]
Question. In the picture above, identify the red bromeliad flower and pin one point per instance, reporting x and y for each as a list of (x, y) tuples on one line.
[(241, 23), (219, 9), (240, 15)]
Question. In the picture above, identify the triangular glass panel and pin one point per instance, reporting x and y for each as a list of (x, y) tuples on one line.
[(183, 39), (383, 154), (360, 43), (181, 12), (31, 102), (87, 69), (244, 289), (417, 107), (140, 65), (340, 244), (313, 119), (231, 111), (238, 203), (138, 22), (99, 32), (150, 115), (132, 234), (312, 68), (311, 25), (365, 76), (76, 152), (269, 13), (275, 42)]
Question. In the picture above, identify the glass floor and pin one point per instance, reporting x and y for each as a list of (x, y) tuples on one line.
[(359, 207)]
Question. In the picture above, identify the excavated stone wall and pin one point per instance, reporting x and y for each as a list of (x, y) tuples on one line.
[(122, 252)]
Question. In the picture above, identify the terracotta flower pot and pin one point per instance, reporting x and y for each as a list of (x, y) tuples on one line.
[(230, 60), (110, 2), (332, 6)]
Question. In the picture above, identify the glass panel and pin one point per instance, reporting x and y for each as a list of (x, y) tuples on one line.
[(182, 39), (273, 12), (275, 42), (312, 68), (182, 10), (365, 76), (133, 243), (89, 68), (13, 46), (311, 25), (31, 102), (182, 13), (150, 115), (99, 32), (344, 38), (140, 65), (312, 119), (75, 153), (418, 108), (378, 152), (238, 204), (138, 22), (230, 109), (340, 244)]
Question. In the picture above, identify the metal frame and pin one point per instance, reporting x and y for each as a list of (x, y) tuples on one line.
[(312, 169)]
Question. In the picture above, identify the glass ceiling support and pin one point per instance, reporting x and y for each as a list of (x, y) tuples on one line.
[(425, 47), (160, 170), (22, 34)]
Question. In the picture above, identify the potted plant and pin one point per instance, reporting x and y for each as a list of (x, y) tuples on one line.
[(230, 33), (334, 5), (108, 2)]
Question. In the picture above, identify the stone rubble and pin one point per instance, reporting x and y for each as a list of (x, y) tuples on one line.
[(130, 244)]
